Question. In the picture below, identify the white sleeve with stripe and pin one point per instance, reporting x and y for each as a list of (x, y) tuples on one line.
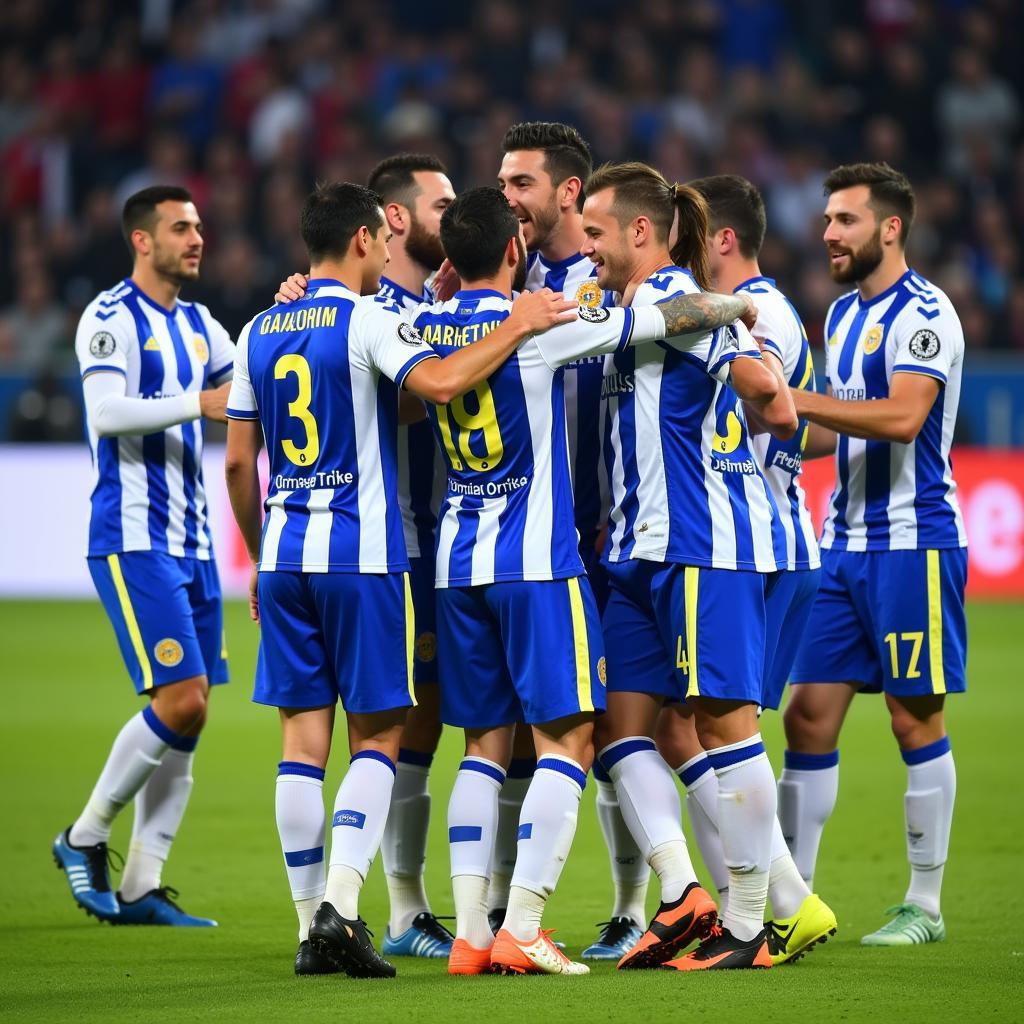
[(242, 398), (927, 340), (382, 339)]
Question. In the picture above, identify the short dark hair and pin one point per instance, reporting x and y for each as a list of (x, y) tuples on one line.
[(475, 230), (733, 202), (139, 211), (566, 152), (332, 214), (891, 192), (393, 178)]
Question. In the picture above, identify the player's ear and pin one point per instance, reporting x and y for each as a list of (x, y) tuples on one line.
[(512, 252), (397, 216), (891, 228), (640, 230), (142, 242), (569, 193), (361, 240)]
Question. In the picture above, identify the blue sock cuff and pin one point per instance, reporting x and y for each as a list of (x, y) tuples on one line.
[(599, 772), (690, 774), (300, 858), (522, 767), (572, 771), (309, 771), (414, 757), (798, 762), (613, 754), (165, 732), (928, 753), (728, 758), (492, 771), (374, 755)]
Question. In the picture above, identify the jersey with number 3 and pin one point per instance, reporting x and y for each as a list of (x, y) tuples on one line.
[(322, 376), (890, 496)]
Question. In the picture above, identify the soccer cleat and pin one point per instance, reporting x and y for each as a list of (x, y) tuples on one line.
[(618, 936), (541, 956), (672, 929), (467, 959), (425, 937), (346, 944), (721, 951), (790, 938), (86, 868), (158, 907), (310, 961), (910, 926)]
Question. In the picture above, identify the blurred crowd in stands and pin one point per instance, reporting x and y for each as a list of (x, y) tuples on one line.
[(247, 103)]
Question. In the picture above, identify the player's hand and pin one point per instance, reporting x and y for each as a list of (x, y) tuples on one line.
[(254, 602), (292, 289), (749, 317), (446, 282), (536, 312), (213, 403)]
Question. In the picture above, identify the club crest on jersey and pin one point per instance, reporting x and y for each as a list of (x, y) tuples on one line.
[(873, 339), (924, 345), (103, 345), (409, 335), (168, 652), (602, 670), (426, 646), (588, 294), (593, 314), (729, 441), (201, 348)]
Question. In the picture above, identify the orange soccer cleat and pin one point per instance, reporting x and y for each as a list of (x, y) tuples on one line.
[(723, 951), (541, 956), (467, 959), (672, 929)]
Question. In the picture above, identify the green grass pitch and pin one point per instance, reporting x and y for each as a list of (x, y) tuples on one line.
[(65, 694)]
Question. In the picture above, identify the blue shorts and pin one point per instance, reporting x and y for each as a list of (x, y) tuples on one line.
[(332, 635), (421, 579), (889, 620), (167, 615), (681, 631), (788, 603), (512, 652), (597, 574)]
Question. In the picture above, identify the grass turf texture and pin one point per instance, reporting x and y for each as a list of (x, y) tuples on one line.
[(66, 694)]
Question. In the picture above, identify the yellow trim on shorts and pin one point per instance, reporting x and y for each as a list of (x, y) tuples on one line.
[(935, 622), (581, 645), (410, 637), (691, 583), (130, 621)]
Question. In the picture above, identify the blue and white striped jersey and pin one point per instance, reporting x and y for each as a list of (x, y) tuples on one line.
[(895, 497), (780, 327), (575, 277), (322, 376), (508, 513), (685, 485), (148, 490), (421, 474)]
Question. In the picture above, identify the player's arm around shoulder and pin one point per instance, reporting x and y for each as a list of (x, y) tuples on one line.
[(758, 380)]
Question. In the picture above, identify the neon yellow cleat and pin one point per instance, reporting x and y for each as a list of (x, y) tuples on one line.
[(790, 938)]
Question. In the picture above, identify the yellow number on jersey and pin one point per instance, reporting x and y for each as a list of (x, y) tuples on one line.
[(681, 659), (915, 639), (299, 409), (484, 419)]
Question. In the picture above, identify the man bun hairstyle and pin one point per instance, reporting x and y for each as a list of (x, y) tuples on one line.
[(566, 152), (891, 191), (734, 202), (139, 213), (332, 214), (475, 231)]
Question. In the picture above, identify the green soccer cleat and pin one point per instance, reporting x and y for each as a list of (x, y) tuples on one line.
[(911, 926), (790, 938)]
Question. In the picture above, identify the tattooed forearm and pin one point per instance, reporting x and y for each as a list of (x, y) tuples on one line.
[(688, 314)]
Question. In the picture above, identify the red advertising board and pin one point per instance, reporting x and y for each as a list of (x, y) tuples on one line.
[(990, 488)]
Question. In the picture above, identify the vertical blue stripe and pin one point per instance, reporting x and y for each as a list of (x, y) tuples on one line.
[(387, 440), (851, 343), (629, 504), (936, 523), (188, 454), (106, 529), (510, 403)]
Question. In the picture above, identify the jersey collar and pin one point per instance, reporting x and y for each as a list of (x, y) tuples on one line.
[(480, 293), (743, 285), (895, 287), (150, 302), (326, 282), (572, 258), (399, 292)]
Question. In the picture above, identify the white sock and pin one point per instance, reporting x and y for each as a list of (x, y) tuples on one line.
[(630, 871), (746, 812), (701, 784), (808, 789), (525, 910), (506, 844), (159, 807), (299, 806), (137, 752), (472, 824), (786, 888), (403, 848), (360, 811), (650, 806), (928, 810)]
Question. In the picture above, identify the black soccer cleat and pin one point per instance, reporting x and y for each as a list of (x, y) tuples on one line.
[(347, 945), (310, 961), (723, 951)]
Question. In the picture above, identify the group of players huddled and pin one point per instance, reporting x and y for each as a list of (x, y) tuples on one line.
[(534, 458)]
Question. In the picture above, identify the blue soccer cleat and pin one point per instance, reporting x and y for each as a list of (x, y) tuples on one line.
[(618, 936), (86, 868), (425, 937), (157, 907)]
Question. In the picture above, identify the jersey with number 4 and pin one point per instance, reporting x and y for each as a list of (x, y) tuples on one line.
[(322, 376), (889, 496), (508, 514)]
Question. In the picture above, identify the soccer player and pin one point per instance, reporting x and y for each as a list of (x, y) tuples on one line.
[(517, 623), (415, 191), (150, 369), (889, 615), (737, 226), (321, 377), (694, 533), (542, 173)]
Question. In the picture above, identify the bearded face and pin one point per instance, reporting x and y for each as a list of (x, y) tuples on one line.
[(422, 246), (849, 266)]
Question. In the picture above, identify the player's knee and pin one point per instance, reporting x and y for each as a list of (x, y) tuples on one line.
[(806, 727), (910, 731), (184, 707)]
